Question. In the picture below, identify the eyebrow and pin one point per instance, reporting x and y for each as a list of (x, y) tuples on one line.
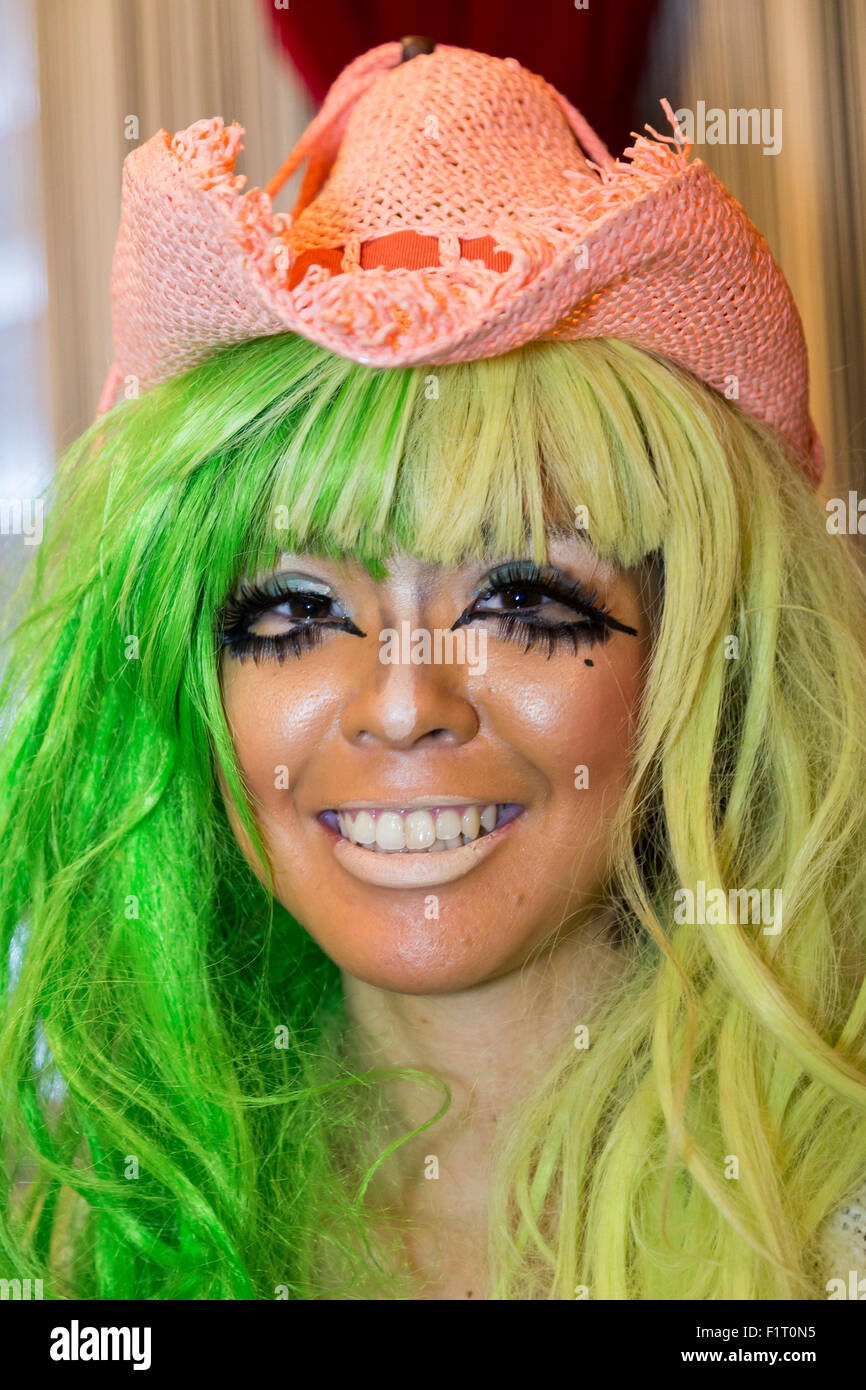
[(289, 561)]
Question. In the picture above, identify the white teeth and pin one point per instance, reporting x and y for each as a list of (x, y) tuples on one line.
[(430, 831), (364, 829), (420, 831), (389, 831), (448, 825)]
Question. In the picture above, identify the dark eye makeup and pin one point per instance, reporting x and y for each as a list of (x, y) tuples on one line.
[(537, 605), (529, 604), (290, 598)]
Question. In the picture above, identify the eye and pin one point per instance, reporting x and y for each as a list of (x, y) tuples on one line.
[(297, 608), (527, 598), (532, 604), (280, 617)]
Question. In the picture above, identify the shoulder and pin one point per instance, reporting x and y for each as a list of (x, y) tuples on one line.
[(843, 1238)]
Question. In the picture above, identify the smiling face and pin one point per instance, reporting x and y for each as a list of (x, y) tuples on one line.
[(435, 758)]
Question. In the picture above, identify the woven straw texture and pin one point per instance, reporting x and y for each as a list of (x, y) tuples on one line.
[(453, 207)]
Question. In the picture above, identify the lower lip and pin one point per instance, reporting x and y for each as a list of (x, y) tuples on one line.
[(423, 870)]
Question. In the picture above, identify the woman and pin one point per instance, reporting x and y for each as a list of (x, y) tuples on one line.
[(349, 965)]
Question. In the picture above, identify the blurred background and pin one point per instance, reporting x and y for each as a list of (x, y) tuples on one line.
[(85, 81)]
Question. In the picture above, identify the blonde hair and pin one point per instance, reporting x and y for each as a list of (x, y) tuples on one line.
[(724, 1042)]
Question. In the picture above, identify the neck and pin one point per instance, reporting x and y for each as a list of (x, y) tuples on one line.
[(491, 1044)]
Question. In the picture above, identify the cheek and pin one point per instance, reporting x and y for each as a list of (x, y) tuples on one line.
[(555, 717), (269, 731), (566, 716), (602, 719)]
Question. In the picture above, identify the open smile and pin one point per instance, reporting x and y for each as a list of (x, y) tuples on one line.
[(419, 828), (416, 845)]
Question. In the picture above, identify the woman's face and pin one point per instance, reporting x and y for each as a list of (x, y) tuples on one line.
[(435, 758)]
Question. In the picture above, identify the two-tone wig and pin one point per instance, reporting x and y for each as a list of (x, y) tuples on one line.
[(146, 969)]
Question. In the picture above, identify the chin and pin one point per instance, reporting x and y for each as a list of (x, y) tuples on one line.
[(443, 960)]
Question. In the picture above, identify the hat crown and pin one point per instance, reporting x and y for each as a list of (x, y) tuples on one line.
[(454, 206), (451, 141)]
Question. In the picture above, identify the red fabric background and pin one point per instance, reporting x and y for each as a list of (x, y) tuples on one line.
[(594, 56)]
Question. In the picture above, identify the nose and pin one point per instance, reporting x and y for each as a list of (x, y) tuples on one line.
[(405, 706)]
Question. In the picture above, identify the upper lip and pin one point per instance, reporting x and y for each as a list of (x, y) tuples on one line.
[(417, 803)]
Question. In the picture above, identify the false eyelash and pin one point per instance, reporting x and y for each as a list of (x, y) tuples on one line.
[(514, 628), (250, 601), (277, 646), (595, 625), (550, 582)]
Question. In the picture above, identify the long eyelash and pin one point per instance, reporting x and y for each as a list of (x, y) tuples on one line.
[(250, 601), (595, 626), (550, 582), (514, 628), (277, 646)]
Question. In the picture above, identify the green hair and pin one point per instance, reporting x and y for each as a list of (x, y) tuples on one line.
[(146, 968)]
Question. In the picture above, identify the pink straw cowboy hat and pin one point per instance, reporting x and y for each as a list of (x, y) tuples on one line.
[(454, 206)]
